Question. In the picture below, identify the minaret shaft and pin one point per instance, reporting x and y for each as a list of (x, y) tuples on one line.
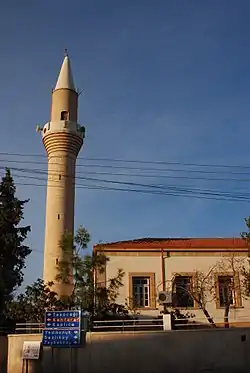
[(62, 138), (61, 103), (59, 214)]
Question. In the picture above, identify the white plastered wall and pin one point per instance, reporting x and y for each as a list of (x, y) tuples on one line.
[(173, 264)]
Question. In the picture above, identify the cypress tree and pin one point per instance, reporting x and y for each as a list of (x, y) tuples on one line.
[(13, 252)]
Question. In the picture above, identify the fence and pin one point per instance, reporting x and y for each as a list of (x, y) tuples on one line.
[(138, 324), (105, 325)]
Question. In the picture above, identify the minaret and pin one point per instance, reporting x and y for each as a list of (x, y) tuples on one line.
[(62, 137)]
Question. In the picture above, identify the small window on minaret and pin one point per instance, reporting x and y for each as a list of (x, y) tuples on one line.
[(57, 261), (58, 216), (64, 115), (60, 177)]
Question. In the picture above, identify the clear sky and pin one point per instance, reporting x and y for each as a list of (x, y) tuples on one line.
[(163, 81)]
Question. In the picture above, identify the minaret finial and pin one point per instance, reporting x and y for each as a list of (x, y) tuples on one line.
[(66, 52)]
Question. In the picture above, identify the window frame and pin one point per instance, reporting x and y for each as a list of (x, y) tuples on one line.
[(184, 274), (141, 288), (236, 289), (152, 289)]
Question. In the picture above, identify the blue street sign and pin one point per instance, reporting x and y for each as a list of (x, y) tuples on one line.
[(62, 329), (61, 338), (63, 319)]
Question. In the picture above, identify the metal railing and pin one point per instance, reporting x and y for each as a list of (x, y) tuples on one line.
[(126, 325), (104, 325), (140, 324), (29, 328), (203, 323)]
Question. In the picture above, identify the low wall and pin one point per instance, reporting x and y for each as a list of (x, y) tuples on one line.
[(3, 353), (224, 351)]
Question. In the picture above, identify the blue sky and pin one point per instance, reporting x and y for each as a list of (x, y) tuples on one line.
[(163, 81)]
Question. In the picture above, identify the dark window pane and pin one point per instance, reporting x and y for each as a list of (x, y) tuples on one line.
[(225, 285), (183, 289)]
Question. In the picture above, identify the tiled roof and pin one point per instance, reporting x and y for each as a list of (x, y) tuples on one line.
[(176, 243)]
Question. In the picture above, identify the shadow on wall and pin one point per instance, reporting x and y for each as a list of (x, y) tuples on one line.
[(175, 351)]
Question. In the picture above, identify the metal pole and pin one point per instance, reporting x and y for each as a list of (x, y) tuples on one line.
[(70, 361), (33, 366), (75, 360), (163, 270), (52, 360)]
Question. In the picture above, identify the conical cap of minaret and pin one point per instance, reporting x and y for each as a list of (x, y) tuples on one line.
[(65, 78)]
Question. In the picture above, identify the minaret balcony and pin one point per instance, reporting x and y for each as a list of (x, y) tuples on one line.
[(63, 126)]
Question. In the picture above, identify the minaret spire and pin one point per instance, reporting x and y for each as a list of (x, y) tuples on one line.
[(65, 78)]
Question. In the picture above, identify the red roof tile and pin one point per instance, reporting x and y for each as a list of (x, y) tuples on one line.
[(175, 244)]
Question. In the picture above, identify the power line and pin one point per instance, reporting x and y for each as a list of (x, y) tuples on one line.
[(167, 191), (159, 186), (105, 159), (148, 169), (43, 172), (162, 189)]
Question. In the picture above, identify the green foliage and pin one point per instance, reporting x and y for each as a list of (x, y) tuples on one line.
[(105, 298), (245, 271), (87, 293), (12, 250), (245, 281), (246, 235), (31, 306), (132, 308)]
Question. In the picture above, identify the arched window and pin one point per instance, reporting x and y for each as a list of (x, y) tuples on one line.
[(64, 115)]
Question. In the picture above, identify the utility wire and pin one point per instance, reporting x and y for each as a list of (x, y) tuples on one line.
[(141, 188), (161, 189), (95, 187), (158, 186), (129, 167), (147, 169), (133, 161), (43, 172), (167, 191)]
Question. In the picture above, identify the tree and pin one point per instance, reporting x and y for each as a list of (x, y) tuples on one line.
[(204, 288), (82, 269), (246, 235), (232, 282), (13, 252), (32, 304), (201, 291), (105, 298), (227, 282), (236, 281), (245, 271)]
